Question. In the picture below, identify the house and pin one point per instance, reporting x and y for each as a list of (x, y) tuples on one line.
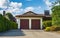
[(31, 20)]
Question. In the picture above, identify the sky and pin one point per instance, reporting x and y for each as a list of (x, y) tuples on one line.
[(18, 7)]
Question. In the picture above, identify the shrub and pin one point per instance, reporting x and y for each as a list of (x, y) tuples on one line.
[(52, 28), (55, 28), (3, 26), (0, 27), (13, 25), (47, 29), (6, 24), (47, 24)]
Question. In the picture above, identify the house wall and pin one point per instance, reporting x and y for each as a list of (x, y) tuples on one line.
[(30, 18)]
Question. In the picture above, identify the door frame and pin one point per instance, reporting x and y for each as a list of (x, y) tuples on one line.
[(24, 20), (30, 22), (34, 23)]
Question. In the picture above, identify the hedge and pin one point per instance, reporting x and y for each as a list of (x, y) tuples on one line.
[(6, 25), (13, 25), (47, 24)]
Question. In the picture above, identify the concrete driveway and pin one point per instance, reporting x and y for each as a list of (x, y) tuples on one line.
[(29, 34)]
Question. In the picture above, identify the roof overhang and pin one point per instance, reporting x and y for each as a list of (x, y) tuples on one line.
[(32, 14)]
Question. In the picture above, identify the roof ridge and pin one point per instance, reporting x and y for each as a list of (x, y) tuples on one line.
[(29, 12)]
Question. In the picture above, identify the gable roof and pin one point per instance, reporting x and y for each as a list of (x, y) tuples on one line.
[(30, 14)]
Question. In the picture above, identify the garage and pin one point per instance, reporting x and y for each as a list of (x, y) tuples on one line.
[(24, 23), (29, 20), (35, 24)]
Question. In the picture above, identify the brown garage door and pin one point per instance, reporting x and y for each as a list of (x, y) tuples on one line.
[(24, 24), (35, 24)]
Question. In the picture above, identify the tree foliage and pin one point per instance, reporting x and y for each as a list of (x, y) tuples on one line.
[(56, 15), (6, 24), (11, 17), (57, 2)]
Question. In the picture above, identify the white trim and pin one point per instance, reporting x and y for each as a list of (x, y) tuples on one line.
[(30, 18), (18, 23), (41, 24), (29, 23)]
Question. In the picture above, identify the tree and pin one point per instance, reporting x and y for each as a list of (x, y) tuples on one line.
[(56, 2), (56, 15), (11, 17)]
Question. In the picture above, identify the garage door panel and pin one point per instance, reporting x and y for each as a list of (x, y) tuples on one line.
[(35, 23), (24, 24)]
